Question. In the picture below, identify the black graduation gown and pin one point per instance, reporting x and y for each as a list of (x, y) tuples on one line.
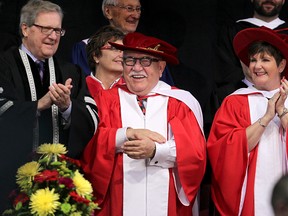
[(17, 122)]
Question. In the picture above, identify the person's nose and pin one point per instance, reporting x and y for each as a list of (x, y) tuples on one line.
[(53, 35), (136, 14), (138, 66)]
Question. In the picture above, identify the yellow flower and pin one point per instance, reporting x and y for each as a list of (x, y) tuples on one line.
[(56, 149), (51, 151), (83, 187), (26, 173), (44, 202)]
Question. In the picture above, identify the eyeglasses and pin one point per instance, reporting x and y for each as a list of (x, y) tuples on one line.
[(144, 61), (48, 30), (129, 8), (107, 47)]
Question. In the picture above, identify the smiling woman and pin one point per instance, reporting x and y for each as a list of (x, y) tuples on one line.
[(247, 123)]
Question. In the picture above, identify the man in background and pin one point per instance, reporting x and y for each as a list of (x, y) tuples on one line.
[(122, 14), (279, 198)]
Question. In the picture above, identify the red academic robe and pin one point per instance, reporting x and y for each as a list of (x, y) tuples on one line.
[(228, 154), (95, 86), (104, 168)]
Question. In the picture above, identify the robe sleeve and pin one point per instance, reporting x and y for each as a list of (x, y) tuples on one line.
[(190, 147), (99, 155), (228, 153), (84, 111)]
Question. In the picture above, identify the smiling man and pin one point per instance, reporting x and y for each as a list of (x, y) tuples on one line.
[(121, 14), (39, 104), (148, 154)]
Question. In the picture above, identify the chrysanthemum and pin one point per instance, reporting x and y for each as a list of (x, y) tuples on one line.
[(44, 202), (26, 173), (83, 187), (56, 149), (51, 151)]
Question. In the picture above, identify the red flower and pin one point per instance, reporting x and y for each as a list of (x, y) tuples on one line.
[(21, 197), (78, 198), (68, 182), (71, 160), (46, 175)]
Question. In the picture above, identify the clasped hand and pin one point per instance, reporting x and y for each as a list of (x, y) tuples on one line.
[(141, 144), (276, 104), (58, 94)]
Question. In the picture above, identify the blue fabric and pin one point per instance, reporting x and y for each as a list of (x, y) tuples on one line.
[(79, 57), (166, 76)]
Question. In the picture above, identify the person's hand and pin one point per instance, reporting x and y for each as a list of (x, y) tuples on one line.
[(45, 102), (60, 94), (141, 144), (271, 108), (138, 134), (139, 149), (283, 96)]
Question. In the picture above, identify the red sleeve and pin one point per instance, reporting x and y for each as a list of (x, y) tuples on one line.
[(228, 153), (99, 155), (190, 147)]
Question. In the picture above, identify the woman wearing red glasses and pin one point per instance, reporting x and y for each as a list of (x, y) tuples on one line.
[(105, 61)]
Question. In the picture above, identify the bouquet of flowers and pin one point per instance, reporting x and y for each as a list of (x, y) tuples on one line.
[(53, 185)]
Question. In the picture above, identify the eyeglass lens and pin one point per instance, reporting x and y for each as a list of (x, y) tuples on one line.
[(129, 8), (48, 30), (144, 61)]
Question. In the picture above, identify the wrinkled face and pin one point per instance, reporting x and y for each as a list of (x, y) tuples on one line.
[(268, 8), (111, 59), (265, 72), (141, 80), (42, 46), (123, 19)]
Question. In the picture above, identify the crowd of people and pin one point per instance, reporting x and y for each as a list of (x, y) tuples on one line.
[(142, 141)]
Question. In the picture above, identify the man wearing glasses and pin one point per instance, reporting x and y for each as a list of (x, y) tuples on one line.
[(124, 15), (41, 99), (148, 155)]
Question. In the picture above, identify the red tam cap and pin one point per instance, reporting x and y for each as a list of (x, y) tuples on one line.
[(246, 37), (139, 42)]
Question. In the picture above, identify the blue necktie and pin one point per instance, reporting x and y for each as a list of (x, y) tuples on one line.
[(40, 66)]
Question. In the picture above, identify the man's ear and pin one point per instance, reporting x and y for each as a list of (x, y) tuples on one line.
[(107, 12), (162, 65), (24, 29)]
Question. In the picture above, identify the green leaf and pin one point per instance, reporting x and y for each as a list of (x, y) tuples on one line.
[(65, 208)]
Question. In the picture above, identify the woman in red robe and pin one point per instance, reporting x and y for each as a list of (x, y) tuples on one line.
[(247, 142)]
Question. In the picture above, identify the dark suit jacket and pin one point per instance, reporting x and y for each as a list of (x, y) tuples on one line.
[(18, 114)]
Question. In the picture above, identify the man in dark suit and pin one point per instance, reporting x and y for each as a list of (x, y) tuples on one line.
[(40, 104)]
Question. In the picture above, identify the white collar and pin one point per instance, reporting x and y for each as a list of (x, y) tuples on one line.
[(272, 25), (101, 83)]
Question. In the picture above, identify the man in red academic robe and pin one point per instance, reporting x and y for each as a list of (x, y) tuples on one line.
[(150, 161)]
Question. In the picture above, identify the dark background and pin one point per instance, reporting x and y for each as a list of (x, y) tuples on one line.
[(190, 25)]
